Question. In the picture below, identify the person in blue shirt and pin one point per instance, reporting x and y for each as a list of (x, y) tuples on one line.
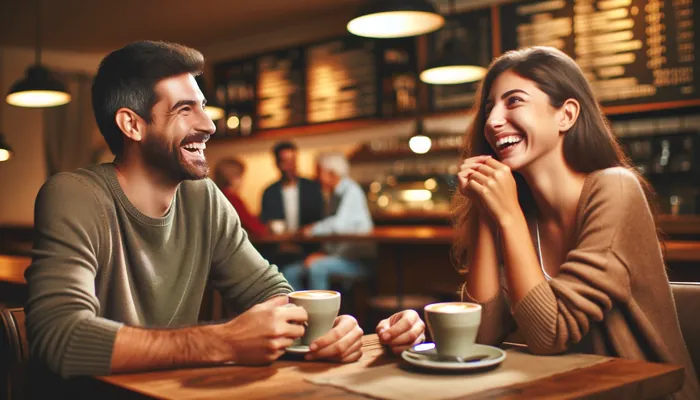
[(348, 213)]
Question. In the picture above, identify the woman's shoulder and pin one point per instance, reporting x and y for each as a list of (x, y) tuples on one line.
[(618, 186)]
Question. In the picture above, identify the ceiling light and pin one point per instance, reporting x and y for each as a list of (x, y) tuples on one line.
[(456, 62), (396, 18), (5, 149), (38, 88)]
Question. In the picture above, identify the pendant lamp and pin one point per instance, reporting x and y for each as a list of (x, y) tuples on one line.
[(214, 109), (396, 18), (5, 150), (456, 62), (38, 88)]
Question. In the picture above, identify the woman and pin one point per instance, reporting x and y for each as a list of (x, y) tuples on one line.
[(228, 175), (546, 193)]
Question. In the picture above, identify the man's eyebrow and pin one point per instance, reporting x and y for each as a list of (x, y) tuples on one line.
[(184, 103)]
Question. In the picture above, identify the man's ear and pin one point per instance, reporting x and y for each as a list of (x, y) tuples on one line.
[(130, 123), (568, 114)]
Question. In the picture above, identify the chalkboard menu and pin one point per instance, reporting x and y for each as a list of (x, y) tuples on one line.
[(398, 76), (473, 31), (341, 80), (281, 101), (632, 51), (235, 90)]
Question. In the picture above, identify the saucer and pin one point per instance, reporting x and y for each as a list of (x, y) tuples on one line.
[(424, 355), (298, 349)]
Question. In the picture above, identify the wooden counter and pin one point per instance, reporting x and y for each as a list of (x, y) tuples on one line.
[(676, 251)]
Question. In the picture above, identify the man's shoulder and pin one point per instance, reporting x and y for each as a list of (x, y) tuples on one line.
[(274, 186), (77, 184)]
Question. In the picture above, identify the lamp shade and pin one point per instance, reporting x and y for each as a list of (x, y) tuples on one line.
[(5, 149), (37, 89), (454, 65), (396, 18)]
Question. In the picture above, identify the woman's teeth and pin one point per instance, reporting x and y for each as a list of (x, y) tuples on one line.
[(507, 141)]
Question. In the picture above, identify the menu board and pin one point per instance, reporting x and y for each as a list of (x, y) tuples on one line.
[(632, 51), (341, 80), (280, 101), (472, 30), (397, 65), (235, 90)]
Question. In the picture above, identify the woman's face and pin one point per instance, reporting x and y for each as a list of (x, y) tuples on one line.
[(520, 124), (234, 176)]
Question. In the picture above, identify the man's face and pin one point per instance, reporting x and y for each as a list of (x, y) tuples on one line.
[(175, 140), (287, 163)]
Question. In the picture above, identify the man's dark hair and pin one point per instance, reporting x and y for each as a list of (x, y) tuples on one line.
[(127, 78), (281, 146)]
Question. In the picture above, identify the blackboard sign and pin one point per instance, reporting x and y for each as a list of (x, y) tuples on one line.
[(341, 80), (473, 29), (397, 68), (280, 89), (632, 51), (235, 90)]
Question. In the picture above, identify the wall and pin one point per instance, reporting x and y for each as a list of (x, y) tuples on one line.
[(22, 176)]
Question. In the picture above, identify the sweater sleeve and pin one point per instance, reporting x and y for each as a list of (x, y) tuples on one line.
[(63, 327), (496, 320), (558, 313), (239, 272)]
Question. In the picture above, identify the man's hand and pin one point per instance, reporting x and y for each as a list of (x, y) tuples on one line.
[(312, 258), (343, 343), (261, 334), (401, 331)]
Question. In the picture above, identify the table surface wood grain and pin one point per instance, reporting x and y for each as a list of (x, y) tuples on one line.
[(619, 379)]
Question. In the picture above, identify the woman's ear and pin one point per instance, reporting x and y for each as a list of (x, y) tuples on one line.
[(568, 114), (130, 123)]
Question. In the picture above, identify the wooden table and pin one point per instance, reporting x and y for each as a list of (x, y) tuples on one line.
[(12, 269), (619, 379)]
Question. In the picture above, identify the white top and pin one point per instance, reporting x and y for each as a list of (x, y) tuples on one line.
[(290, 198)]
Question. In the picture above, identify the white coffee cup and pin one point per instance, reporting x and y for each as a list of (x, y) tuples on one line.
[(453, 326), (322, 306)]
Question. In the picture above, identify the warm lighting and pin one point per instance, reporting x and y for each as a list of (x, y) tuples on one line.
[(452, 74), (420, 144), (430, 184), (396, 18), (5, 149), (412, 195), (383, 201), (375, 187), (214, 112), (38, 88), (232, 122)]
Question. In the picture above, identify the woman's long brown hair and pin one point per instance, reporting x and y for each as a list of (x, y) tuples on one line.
[(589, 145)]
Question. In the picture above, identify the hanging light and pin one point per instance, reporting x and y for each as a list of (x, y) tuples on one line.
[(455, 63), (38, 88), (5, 149), (213, 110), (419, 143), (396, 18)]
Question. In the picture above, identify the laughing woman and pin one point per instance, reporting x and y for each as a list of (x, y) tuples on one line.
[(555, 229)]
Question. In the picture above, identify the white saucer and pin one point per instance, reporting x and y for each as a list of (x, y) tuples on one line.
[(424, 355), (298, 349)]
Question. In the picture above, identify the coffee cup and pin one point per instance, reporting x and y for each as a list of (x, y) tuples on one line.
[(278, 226), (322, 307), (453, 326)]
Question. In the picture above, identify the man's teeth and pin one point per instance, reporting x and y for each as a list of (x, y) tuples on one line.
[(195, 146), (500, 143)]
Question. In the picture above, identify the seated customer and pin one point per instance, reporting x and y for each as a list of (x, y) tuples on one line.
[(555, 226), (124, 250), (349, 213), (228, 175)]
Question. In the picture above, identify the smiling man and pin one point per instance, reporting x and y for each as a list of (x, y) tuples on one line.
[(124, 250)]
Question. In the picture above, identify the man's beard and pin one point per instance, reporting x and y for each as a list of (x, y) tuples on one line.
[(159, 155)]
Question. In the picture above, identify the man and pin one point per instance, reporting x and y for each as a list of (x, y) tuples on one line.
[(349, 213), (295, 200), (123, 250)]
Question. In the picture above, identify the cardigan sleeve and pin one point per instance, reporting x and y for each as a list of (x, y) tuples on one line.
[(559, 312)]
